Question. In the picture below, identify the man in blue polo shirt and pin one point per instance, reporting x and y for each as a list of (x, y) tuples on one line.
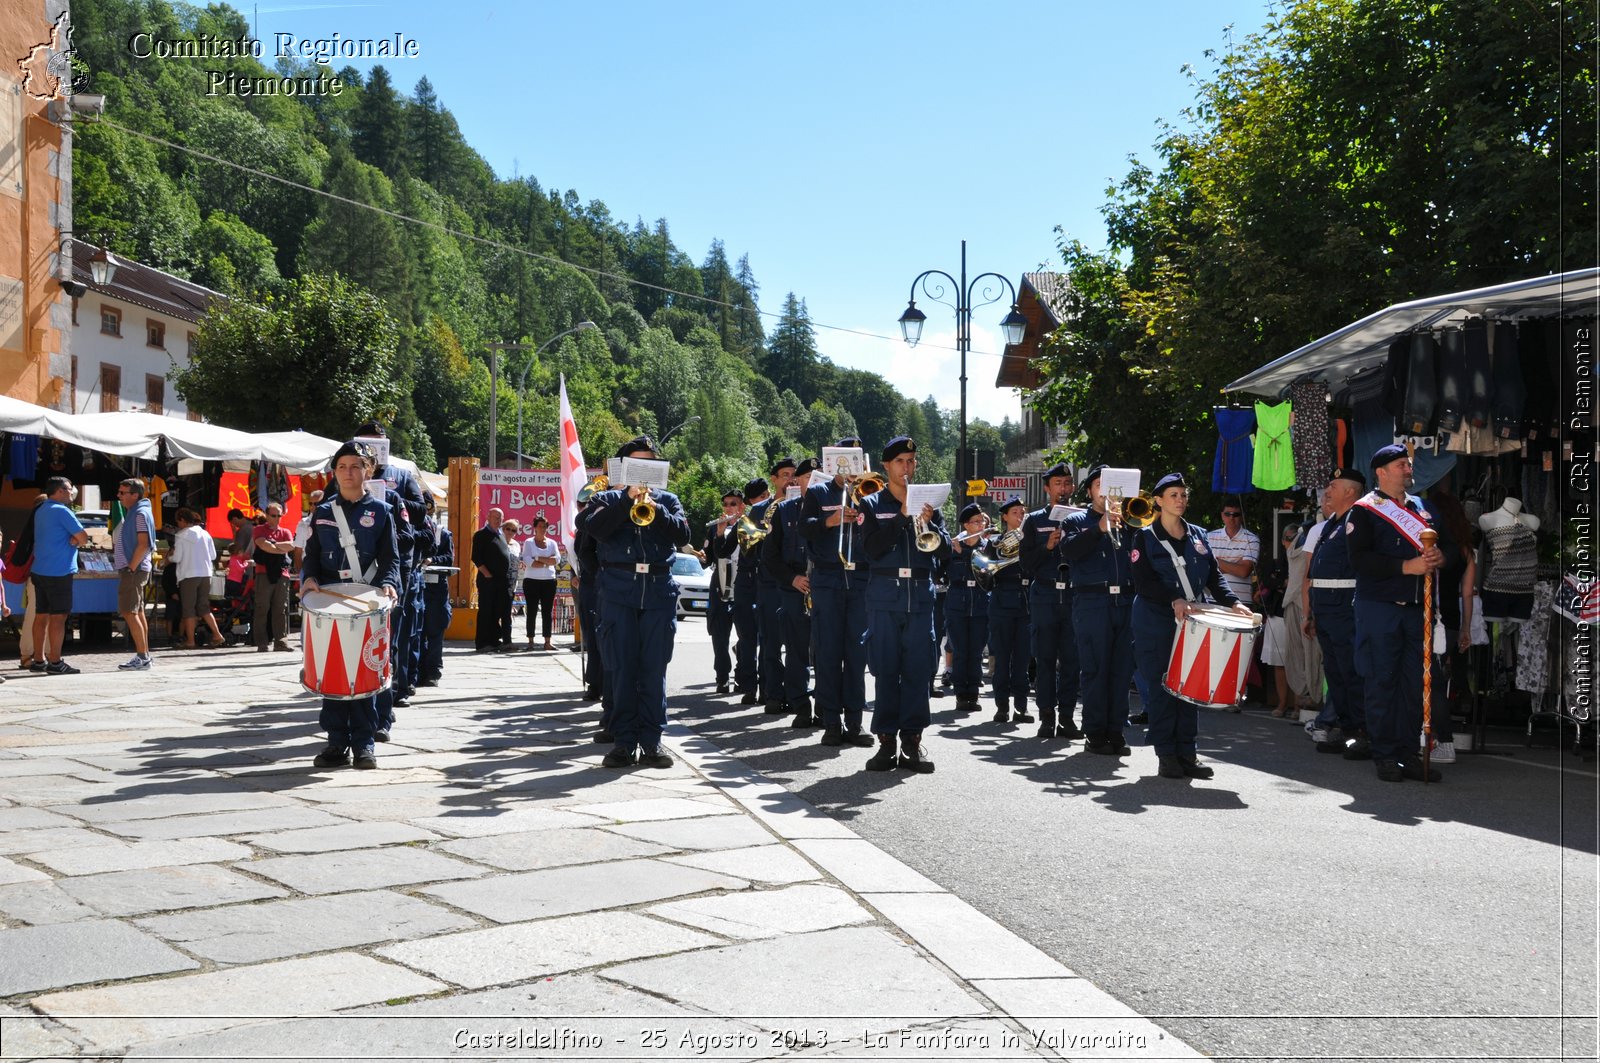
[(56, 538)]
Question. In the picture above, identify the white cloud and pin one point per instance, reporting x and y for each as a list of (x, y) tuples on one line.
[(932, 367)]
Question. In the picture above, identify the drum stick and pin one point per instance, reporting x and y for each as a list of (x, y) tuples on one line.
[(343, 597), (1429, 537)]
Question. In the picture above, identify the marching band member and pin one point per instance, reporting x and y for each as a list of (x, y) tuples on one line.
[(436, 610), (1384, 533), (586, 551), (1009, 629), (784, 556), (838, 608), (900, 641), (352, 541), (747, 609), (720, 546), (1172, 564), (966, 610), (640, 609), (1331, 616), (1102, 615), (1055, 644), (770, 599)]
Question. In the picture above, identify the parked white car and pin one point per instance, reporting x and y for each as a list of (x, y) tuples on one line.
[(694, 584)]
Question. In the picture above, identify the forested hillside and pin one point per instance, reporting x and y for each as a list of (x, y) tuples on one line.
[(404, 302)]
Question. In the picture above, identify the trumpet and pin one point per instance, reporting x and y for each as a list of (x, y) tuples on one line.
[(928, 539), (643, 512), (594, 487)]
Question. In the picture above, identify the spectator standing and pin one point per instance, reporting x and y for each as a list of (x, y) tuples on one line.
[(194, 556), (131, 548), (239, 551), (1304, 656), (5, 610), (492, 559), (1236, 549), (512, 528), (273, 545), (21, 571), (56, 538), (540, 558)]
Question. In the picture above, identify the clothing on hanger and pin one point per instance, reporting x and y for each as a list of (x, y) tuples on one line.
[(1235, 456), (1313, 457), (1508, 396), (1533, 653), (1476, 338), (1273, 469), (1508, 578), (1420, 414)]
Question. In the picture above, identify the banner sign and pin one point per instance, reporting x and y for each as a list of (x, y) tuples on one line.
[(522, 494), (1004, 488)]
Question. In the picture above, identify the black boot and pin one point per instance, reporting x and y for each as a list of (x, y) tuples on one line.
[(911, 757), (1002, 710), (802, 714), (1021, 714), (776, 708), (884, 759), (1170, 767), (1047, 723), (852, 733), (1116, 746), (1067, 729), (833, 735), (750, 698), (1194, 769)]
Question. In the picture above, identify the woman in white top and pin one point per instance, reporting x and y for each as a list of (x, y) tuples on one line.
[(540, 556), (194, 553)]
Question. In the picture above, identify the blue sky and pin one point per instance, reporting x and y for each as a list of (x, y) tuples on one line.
[(846, 147)]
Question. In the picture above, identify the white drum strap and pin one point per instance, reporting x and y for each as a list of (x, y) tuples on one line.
[(347, 540), (1183, 577)]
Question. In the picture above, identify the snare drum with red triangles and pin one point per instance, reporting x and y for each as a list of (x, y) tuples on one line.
[(1211, 654), (345, 628)]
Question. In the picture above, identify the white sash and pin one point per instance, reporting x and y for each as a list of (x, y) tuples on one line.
[(347, 540), (1178, 563), (1398, 517)]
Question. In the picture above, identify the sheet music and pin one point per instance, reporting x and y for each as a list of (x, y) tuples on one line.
[(645, 472), (1061, 513), (919, 495), (380, 448), (614, 471), (375, 489), (791, 492), (1125, 479), (849, 460)]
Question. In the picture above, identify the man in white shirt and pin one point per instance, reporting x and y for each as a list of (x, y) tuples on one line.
[(1236, 549)]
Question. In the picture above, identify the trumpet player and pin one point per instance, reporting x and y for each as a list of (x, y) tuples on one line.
[(719, 550), (1009, 626), (639, 604), (785, 556), (1055, 644), (966, 609), (902, 547), (1098, 546), (769, 598), (747, 608), (831, 522)]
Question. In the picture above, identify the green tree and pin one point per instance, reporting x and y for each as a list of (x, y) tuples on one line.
[(378, 131), (232, 257), (792, 350), (360, 244), (326, 346)]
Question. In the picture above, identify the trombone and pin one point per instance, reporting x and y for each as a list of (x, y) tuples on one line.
[(1138, 512), (856, 488)]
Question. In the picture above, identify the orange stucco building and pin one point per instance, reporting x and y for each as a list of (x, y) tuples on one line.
[(35, 200)]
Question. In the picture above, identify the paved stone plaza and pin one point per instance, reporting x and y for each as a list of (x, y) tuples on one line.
[(176, 879)]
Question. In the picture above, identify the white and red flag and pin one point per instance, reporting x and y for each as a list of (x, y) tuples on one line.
[(574, 474)]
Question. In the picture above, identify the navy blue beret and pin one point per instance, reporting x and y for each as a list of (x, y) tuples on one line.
[(1094, 474), (1384, 455), (1060, 468), (897, 446), (754, 490), (970, 510), (780, 465), (636, 444), (1353, 475), (1015, 502), (1171, 479)]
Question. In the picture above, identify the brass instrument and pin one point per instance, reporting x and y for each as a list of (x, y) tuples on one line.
[(643, 512), (750, 533), (1008, 551), (1138, 511), (856, 488), (594, 487), (928, 540)]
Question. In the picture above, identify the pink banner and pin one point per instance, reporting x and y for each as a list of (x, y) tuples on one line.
[(522, 494)]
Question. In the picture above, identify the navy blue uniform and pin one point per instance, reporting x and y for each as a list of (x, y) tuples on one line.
[(1174, 724), (436, 606), (639, 601), (412, 510), (784, 557), (719, 607), (900, 641), (966, 620), (585, 551), (404, 629), (1388, 645), (1102, 615), (352, 724), (746, 622), (769, 603), (838, 608), (1010, 640), (1333, 611), (1055, 642)]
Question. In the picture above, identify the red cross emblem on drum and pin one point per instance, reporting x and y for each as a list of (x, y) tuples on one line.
[(1210, 658), (345, 629)]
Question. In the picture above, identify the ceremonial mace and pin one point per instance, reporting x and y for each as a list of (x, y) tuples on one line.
[(1429, 538)]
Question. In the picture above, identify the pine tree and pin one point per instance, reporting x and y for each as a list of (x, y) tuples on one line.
[(378, 129), (792, 351)]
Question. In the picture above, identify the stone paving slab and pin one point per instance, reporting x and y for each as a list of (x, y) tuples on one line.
[(514, 953), (20, 767), (225, 824), (773, 864), (550, 848), (656, 809), (250, 933), (524, 895), (864, 867), (49, 957), (157, 806), (160, 889), (23, 842), (24, 1035), (25, 818), (360, 869), (10, 872), (708, 834), (968, 942), (343, 836), (1071, 1013), (38, 903), (134, 856), (174, 1007), (768, 913), (505, 821)]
